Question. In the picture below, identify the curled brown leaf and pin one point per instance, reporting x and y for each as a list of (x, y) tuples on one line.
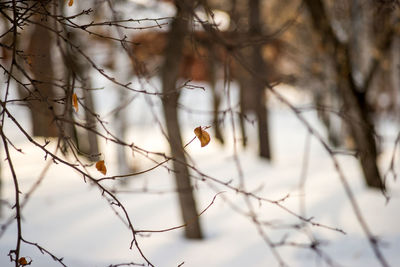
[(203, 136)]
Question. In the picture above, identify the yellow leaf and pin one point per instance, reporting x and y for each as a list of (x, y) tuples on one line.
[(75, 102), (203, 136), (101, 167), (22, 261), (70, 2)]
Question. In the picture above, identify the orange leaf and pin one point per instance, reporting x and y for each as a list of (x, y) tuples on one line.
[(75, 102), (29, 60), (70, 2), (203, 136), (22, 261), (101, 167)]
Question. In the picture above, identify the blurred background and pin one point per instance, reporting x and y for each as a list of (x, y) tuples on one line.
[(300, 99)]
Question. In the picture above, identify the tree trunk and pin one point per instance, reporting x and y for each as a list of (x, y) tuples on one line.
[(67, 128), (355, 102), (211, 63), (78, 69), (242, 116), (170, 72), (360, 123), (90, 122), (40, 101), (257, 85), (121, 129)]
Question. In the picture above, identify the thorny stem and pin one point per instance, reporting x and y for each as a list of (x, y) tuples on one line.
[(3, 137), (183, 225), (242, 185), (27, 196), (17, 192), (349, 193), (45, 251), (85, 175), (247, 195)]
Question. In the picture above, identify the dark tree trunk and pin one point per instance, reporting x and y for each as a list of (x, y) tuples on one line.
[(93, 150), (77, 72), (359, 119), (170, 72), (354, 99), (67, 128), (216, 120), (257, 85), (39, 55), (216, 96), (242, 117)]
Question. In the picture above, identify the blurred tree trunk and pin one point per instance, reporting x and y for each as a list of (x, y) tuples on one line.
[(40, 101), (256, 84), (211, 60), (170, 73), (236, 12), (90, 118), (243, 80), (77, 75), (354, 99), (67, 127), (121, 129), (360, 121)]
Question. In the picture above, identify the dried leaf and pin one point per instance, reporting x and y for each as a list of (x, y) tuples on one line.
[(202, 135), (101, 167), (75, 102), (22, 261), (29, 60), (70, 2)]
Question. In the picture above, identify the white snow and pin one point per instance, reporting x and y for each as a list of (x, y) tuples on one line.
[(71, 218)]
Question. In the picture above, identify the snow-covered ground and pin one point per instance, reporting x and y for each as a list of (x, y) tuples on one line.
[(71, 218)]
